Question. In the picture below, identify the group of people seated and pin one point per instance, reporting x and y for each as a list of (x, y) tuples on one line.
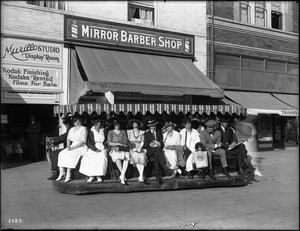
[(174, 147)]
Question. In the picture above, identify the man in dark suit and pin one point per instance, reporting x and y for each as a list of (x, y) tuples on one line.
[(153, 143), (228, 139), (34, 137), (67, 121)]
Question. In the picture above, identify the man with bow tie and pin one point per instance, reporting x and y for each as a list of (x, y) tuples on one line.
[(211, 139), (153, 143)]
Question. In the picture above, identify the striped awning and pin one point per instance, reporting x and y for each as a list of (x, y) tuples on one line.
[(143, 108)]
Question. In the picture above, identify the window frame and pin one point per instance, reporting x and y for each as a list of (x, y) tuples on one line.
[(45, 4), (143, 6), (248, 11)]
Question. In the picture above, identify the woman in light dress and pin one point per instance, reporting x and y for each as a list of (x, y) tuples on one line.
[(172, 149), (138, 155), (94, 163), (76, 147), (118, 142)]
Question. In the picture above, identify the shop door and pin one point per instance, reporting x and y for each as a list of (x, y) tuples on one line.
[(278, 132)]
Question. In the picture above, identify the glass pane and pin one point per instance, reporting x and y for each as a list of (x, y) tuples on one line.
[(227, 60), (37, 3), (273, 66), (293, 69), (254, 64), (244, 13), (61, 5), (260, 3)]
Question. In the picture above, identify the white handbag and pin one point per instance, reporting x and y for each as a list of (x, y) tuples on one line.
[(201, 159)]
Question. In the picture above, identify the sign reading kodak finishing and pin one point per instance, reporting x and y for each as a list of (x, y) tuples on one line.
[(108, 33)]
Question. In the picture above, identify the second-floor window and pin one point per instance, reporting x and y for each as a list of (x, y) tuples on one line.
[(245, 12), (141, 12), (276, 15), (61, 5)]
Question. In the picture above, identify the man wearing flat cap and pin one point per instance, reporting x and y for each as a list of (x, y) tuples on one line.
[(228, 140), (153, 143), (211, 139)]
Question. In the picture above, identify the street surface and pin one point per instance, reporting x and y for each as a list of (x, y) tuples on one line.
[(28, 201)]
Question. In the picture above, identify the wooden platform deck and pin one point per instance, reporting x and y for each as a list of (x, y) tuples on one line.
[(79, 187)]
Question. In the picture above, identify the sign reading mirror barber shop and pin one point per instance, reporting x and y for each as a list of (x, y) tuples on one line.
[(83, 30)]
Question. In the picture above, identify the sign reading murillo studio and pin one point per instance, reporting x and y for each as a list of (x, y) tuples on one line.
[(83, 30), (31, 66)]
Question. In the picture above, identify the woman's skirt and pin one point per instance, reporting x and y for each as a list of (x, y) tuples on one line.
[(138, 157), (171, 159), (119, 155), (94, 163), (69, 159)]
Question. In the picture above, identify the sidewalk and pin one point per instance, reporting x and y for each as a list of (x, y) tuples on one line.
[(29, 200)]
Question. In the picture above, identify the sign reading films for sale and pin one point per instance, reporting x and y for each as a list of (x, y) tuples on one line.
[(24, 78)]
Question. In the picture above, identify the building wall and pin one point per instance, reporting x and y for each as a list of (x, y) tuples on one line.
[(233, 37), (35, 22)]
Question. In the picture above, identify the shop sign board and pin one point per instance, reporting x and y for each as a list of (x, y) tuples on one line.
[(82, 30), (30, 52), (30, 79)]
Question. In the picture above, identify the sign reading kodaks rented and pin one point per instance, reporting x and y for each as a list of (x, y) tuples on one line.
[(104, 33), (30, 52), (25, 78)]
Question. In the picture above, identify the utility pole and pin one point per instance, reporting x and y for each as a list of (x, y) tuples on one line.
[(212, 50)]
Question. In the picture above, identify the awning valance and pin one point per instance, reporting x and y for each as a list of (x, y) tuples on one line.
[(110, 70), (261, 103), (143, 108)]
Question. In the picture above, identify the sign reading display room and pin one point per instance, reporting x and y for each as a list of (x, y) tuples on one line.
[(23, 78), (109, 33), (30, 52)]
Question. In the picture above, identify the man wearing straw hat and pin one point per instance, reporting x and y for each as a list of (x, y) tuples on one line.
[(153, 143)]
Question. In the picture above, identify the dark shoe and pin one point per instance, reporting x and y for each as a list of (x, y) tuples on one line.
[(53, 177), (201, 174), (173, 174), (189, 175), (159, 179), (226, 173), (211, 175), (241, 173)]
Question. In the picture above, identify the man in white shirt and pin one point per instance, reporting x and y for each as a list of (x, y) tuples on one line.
[(189, 138)]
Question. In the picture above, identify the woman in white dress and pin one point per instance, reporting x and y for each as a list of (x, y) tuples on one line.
[(118, 142), (76, 147), (138, 156), (172, 149), (94, 163)]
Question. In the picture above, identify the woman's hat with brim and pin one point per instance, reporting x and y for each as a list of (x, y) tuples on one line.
[(168, 124), (140, 123), (98, 118), (224, 119), (152, 123), (68, 119)]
